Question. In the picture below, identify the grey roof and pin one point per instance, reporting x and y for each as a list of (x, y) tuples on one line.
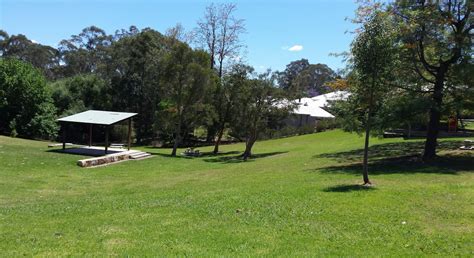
[(97, 117)]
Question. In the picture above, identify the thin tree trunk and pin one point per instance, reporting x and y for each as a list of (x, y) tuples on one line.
[(409, 130), (435, 115), (177, 139), (218, 140), (221, 61), (366, 152)]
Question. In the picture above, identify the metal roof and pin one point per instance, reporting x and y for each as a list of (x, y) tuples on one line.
[(308, 107), (98, 117)]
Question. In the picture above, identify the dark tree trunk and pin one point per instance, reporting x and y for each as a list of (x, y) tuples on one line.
[(365, 173), (435, 115), (248, 147), (177, 138), (248, 150), (211, 132), (218, 140)]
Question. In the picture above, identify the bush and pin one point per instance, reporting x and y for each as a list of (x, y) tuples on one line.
[(26, 107)]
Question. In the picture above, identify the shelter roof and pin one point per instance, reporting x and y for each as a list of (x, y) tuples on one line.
[(98, 117)]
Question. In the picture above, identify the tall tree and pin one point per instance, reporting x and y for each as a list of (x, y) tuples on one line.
[(435, 36), (219, 34), (135, 71), (257, 105), (85, 52), (373, 58), (187, 76), (45, 58), (314, 79), (228, 93), (287, 77)]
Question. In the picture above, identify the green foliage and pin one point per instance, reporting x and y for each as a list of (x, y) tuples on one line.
[(135, 72), (300, 78), (85, 52), (80, 93), (187, 77), (435, 43), (40, 56), (373, 61), (26, 108), (256, 108)]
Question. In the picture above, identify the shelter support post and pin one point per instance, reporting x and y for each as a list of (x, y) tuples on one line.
[(129, 132), (90, 135), (106, 138), (63, 127)]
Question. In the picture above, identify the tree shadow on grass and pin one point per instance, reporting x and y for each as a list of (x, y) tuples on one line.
[(389, 150), (348, 188), (402, 158), (239, 159), (221, 157), (202, 155), (81, 152)]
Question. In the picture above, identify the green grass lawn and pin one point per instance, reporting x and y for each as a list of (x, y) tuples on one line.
[(470, 125), (299, 196)]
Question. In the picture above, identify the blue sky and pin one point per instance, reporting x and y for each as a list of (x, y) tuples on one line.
[(311, 28)]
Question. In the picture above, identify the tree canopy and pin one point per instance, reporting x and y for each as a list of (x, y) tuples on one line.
[(26, 108)]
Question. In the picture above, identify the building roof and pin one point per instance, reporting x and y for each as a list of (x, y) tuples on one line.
[(309, 107), (323, 100), (98, 117)]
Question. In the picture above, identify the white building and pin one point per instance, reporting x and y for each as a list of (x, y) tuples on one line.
[(310, 110)]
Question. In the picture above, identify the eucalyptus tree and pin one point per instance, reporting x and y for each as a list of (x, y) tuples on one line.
[(257, 104), (228, 93), (85, 52), (45, 58), (187, 77), (135, 70), (373, 60), (435, 37), (218, 32)]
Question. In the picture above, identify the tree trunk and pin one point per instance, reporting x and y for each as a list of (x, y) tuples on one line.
[(248, 148), (365, 173), (211, 132), (221, 63), (409, 130), (435, 115), (177, 138), (218, 140)]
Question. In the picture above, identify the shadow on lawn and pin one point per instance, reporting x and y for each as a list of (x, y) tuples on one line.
[(348, 188), (401, 158), (389, 150), (203, 155), (238, 158), (221, 157), (81, 153)]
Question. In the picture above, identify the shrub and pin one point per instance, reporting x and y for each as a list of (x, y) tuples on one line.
[(26, 107)]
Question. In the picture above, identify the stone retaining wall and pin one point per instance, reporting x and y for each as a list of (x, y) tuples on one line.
[(102, 160)]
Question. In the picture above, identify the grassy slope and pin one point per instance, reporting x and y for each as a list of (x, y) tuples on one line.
[(297, 197)]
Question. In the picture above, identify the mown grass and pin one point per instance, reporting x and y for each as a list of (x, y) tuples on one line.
[(469, 125), (299, 196)]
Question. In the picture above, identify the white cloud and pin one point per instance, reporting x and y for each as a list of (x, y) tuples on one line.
[(295, 48), (34, 41)]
